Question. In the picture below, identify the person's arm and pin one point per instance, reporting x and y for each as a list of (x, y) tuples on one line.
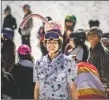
[(36, 80), (80, 54), (72, 73), (96, 61), (36, 90), (14, 23), (73, 90), (29, 24)]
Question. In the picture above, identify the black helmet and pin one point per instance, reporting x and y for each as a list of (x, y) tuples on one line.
[(7, 9), (79, 34)]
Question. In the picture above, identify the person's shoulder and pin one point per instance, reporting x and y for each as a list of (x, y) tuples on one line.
[(41, 59), (15, 65), (69, 58)]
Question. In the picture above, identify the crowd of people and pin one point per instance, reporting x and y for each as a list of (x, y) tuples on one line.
[(68, 68)]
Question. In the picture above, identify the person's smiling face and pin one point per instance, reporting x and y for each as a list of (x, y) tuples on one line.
[(52, 46)]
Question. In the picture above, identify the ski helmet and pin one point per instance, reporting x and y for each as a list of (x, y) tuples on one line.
[(26, 6), (54, 34), (71, 18), (24, 50), (7, 9), (79, 34)]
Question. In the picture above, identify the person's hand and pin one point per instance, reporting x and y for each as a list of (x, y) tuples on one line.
[(68, 32), (70, 50)]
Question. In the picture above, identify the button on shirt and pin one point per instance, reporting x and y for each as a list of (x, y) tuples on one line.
[(54, 76)]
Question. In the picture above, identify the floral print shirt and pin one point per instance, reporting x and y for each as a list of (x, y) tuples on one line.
[(54, 76)]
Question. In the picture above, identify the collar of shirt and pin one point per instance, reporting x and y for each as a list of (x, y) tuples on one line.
[(58, 57)]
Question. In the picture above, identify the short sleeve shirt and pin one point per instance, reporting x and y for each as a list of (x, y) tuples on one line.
[(54, 76)]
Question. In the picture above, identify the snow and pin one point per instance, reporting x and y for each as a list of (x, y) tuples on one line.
[(84, 11)]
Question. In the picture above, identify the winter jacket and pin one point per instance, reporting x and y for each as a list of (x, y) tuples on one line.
[(8, 87), (88, 82), (99, 57), (28, 26), (9, 25), (78, 52), (9, 22), (23, 75)]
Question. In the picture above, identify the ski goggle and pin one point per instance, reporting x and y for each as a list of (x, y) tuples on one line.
[(52, 35)]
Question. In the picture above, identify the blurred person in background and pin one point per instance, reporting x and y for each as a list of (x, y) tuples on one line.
[(8, 53), (76, 45), (40, 36), (9, 24), (26, 31), (99, 55), (94, 23), (22, 72), (105, 40), (9, 89), (70, 22)]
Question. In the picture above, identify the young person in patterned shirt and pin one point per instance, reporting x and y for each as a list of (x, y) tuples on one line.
[(55, 73)]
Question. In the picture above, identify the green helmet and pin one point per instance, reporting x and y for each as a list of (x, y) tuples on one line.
[(71, 17)]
